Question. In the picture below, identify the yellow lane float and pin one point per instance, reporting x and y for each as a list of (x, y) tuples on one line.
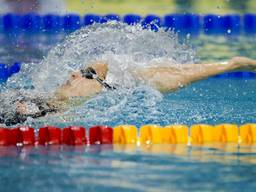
[(175, 134), (151, 134), (248, 133), (202, 133), (125, 134), (226, 133)]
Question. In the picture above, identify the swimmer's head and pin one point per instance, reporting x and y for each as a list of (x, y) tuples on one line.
[(77, 85)]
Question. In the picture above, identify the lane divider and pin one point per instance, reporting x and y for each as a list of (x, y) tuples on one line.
[(125, 134), (7, 71), (202, 133), (74, 136), (100, 135), (128, 134), (176, 134), (248, 133), (49, 136), (231, 24), (151, 134), (226, 133)]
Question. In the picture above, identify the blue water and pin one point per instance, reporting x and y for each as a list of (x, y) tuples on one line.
[(127, 168), (144, 168)]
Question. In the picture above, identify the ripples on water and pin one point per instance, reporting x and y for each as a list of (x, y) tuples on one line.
[(128, 168)]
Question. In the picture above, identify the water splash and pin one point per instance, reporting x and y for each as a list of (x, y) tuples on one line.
[(120, 45), (123, 47)]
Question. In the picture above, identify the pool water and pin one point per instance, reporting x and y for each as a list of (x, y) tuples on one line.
[(127, 168), (144, 168)]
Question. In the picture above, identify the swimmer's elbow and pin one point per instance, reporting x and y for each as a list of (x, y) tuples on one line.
[(166, 87)]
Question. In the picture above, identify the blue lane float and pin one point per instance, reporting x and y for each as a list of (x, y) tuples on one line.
[(15, 68), (71, 22), (183, 23), (132, 19), (211, 24), (91, 19), (4, 73), (108, 17), (173, 22), (8, 71), (250, 23), (11, 22), (232, 24), (191, 24), (31, 23), (228, 24), (152, 22), (238, 75), (51, 23), (112, 17)]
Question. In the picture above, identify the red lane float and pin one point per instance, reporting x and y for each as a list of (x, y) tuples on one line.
[(17, 136), (4, 136), (27, 135), (74, 135), (49, 136), (14, 136), (101, 135)]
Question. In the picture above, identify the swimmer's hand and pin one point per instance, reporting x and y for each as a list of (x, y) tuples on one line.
[(21, 107), (243, 63), (31, 109), (23, 112)]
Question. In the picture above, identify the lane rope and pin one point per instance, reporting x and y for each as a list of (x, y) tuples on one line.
[(130, 134)]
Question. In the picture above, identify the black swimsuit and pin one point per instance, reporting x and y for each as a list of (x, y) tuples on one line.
[(16, 118)]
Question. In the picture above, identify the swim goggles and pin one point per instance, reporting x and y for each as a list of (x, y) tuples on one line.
[(90, 73)]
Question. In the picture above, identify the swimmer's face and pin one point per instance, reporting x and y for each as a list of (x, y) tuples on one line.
[(78, 86)]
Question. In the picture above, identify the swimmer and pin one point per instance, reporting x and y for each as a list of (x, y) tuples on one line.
[(90, 81)]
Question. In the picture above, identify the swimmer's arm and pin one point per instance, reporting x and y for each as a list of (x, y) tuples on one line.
[(176, 76)]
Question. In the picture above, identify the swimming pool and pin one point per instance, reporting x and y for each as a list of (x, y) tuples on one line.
[(145, 168)]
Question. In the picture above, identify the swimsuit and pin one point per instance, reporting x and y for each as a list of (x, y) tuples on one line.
[(37, 107)]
